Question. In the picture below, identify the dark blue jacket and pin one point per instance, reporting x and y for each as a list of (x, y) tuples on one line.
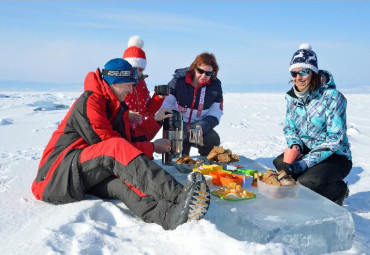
[(185, 99)]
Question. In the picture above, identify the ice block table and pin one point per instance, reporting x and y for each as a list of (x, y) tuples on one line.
[(309, 223)]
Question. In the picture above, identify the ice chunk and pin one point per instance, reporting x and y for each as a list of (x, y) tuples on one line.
[(309, 223)]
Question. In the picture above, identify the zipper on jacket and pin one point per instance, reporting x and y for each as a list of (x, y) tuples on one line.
[(137, 100)]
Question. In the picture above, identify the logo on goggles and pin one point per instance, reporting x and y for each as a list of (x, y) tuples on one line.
[(132, 75), (118, 73)]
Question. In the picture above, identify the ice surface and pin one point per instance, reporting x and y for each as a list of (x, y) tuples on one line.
[(310, 223)]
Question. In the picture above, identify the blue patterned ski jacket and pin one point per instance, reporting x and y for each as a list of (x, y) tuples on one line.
[(319, 123)]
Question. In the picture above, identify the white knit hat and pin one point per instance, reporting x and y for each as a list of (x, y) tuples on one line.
[(134, 54), (304, 57)]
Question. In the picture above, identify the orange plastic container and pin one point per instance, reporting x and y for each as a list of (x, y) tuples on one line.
[(216, 177), (230, 178)]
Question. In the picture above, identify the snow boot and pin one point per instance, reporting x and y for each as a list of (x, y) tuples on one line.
[(193, 204), (343, 195), (192, 177)]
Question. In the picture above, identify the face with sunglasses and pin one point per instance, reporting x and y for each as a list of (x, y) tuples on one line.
[(301, 78), (202, 74)]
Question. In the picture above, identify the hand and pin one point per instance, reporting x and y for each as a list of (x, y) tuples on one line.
[(162, 145), (297, 167), (162, 114), (134, 116), (161, 96), (297, 148)]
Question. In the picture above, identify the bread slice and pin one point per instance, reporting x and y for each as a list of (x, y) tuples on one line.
[(234, 157), (215, 151), (223, 157)]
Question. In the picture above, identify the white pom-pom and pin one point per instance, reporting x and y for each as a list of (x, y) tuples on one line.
[(135, 41), (305, 46)]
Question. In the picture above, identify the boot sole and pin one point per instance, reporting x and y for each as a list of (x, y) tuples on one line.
[(200, 202)]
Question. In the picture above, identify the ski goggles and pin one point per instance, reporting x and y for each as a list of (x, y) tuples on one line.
[(302, 72), (122, 76), (201, 71)]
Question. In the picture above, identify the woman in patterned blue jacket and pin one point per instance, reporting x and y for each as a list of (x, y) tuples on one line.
[(315, 125)]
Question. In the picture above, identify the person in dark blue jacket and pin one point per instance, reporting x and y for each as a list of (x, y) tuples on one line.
[(315, 125), (196, 93)]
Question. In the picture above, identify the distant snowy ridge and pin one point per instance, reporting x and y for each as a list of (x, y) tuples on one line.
[(357, 90), (24, 86)]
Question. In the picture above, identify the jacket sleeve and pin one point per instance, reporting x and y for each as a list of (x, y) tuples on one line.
[(154, 104), (143, 134), (169, 102), (290, 129), (90, 119), (336, 129), (213, 117), (208, 122)]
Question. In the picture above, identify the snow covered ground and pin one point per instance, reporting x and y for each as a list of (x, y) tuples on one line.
[(251, 126)]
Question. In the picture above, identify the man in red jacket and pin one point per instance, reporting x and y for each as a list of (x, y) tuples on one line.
[(95, 151)]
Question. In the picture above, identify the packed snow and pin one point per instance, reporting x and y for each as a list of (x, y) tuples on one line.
[(251, 126)]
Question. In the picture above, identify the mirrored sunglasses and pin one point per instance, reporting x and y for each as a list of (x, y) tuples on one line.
[(302, 72), (201, 71)]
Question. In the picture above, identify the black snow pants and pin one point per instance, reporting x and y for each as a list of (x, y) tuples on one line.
[(143, 186), (210, 139), (325, 178)]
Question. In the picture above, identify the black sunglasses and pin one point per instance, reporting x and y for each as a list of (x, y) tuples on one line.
[(201, 71), (302, 72)]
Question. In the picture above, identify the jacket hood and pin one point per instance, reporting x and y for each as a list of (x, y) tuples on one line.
[(329, 79), (181, 72)]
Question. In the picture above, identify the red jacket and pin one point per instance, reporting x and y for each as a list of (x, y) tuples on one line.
[(140, 101), (97, 115)]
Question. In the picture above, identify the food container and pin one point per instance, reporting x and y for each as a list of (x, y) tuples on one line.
[(223, 165), (226, 179), (247, 171), (247, 181), (206, 169), (276, 192), (216, 177)]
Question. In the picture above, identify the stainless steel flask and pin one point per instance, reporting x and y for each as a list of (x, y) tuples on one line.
[(173, 130)]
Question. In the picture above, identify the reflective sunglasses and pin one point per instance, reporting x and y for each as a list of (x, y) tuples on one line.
[(201, 71), (302, 72)]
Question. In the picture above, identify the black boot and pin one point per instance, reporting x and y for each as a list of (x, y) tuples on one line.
[(193, 204), (342, 195), (192, 177)]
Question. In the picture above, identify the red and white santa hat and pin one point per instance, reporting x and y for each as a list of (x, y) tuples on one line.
[(134, 54)]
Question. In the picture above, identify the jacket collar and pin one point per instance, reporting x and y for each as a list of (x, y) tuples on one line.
[(190, 81), (95, 83)]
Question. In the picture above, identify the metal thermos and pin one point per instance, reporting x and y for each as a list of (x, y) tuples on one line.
[(173, 130)]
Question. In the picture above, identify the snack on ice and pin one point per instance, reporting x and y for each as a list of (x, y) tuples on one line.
[(218, 153), (187, 160), (215, 151), (276, 178), (235, 157), (234, 191), (223, 158)]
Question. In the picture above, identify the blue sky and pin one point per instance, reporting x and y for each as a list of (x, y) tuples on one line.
[(61, 41)]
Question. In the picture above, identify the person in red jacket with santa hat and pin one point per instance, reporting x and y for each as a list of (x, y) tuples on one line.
[(140, 103)]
